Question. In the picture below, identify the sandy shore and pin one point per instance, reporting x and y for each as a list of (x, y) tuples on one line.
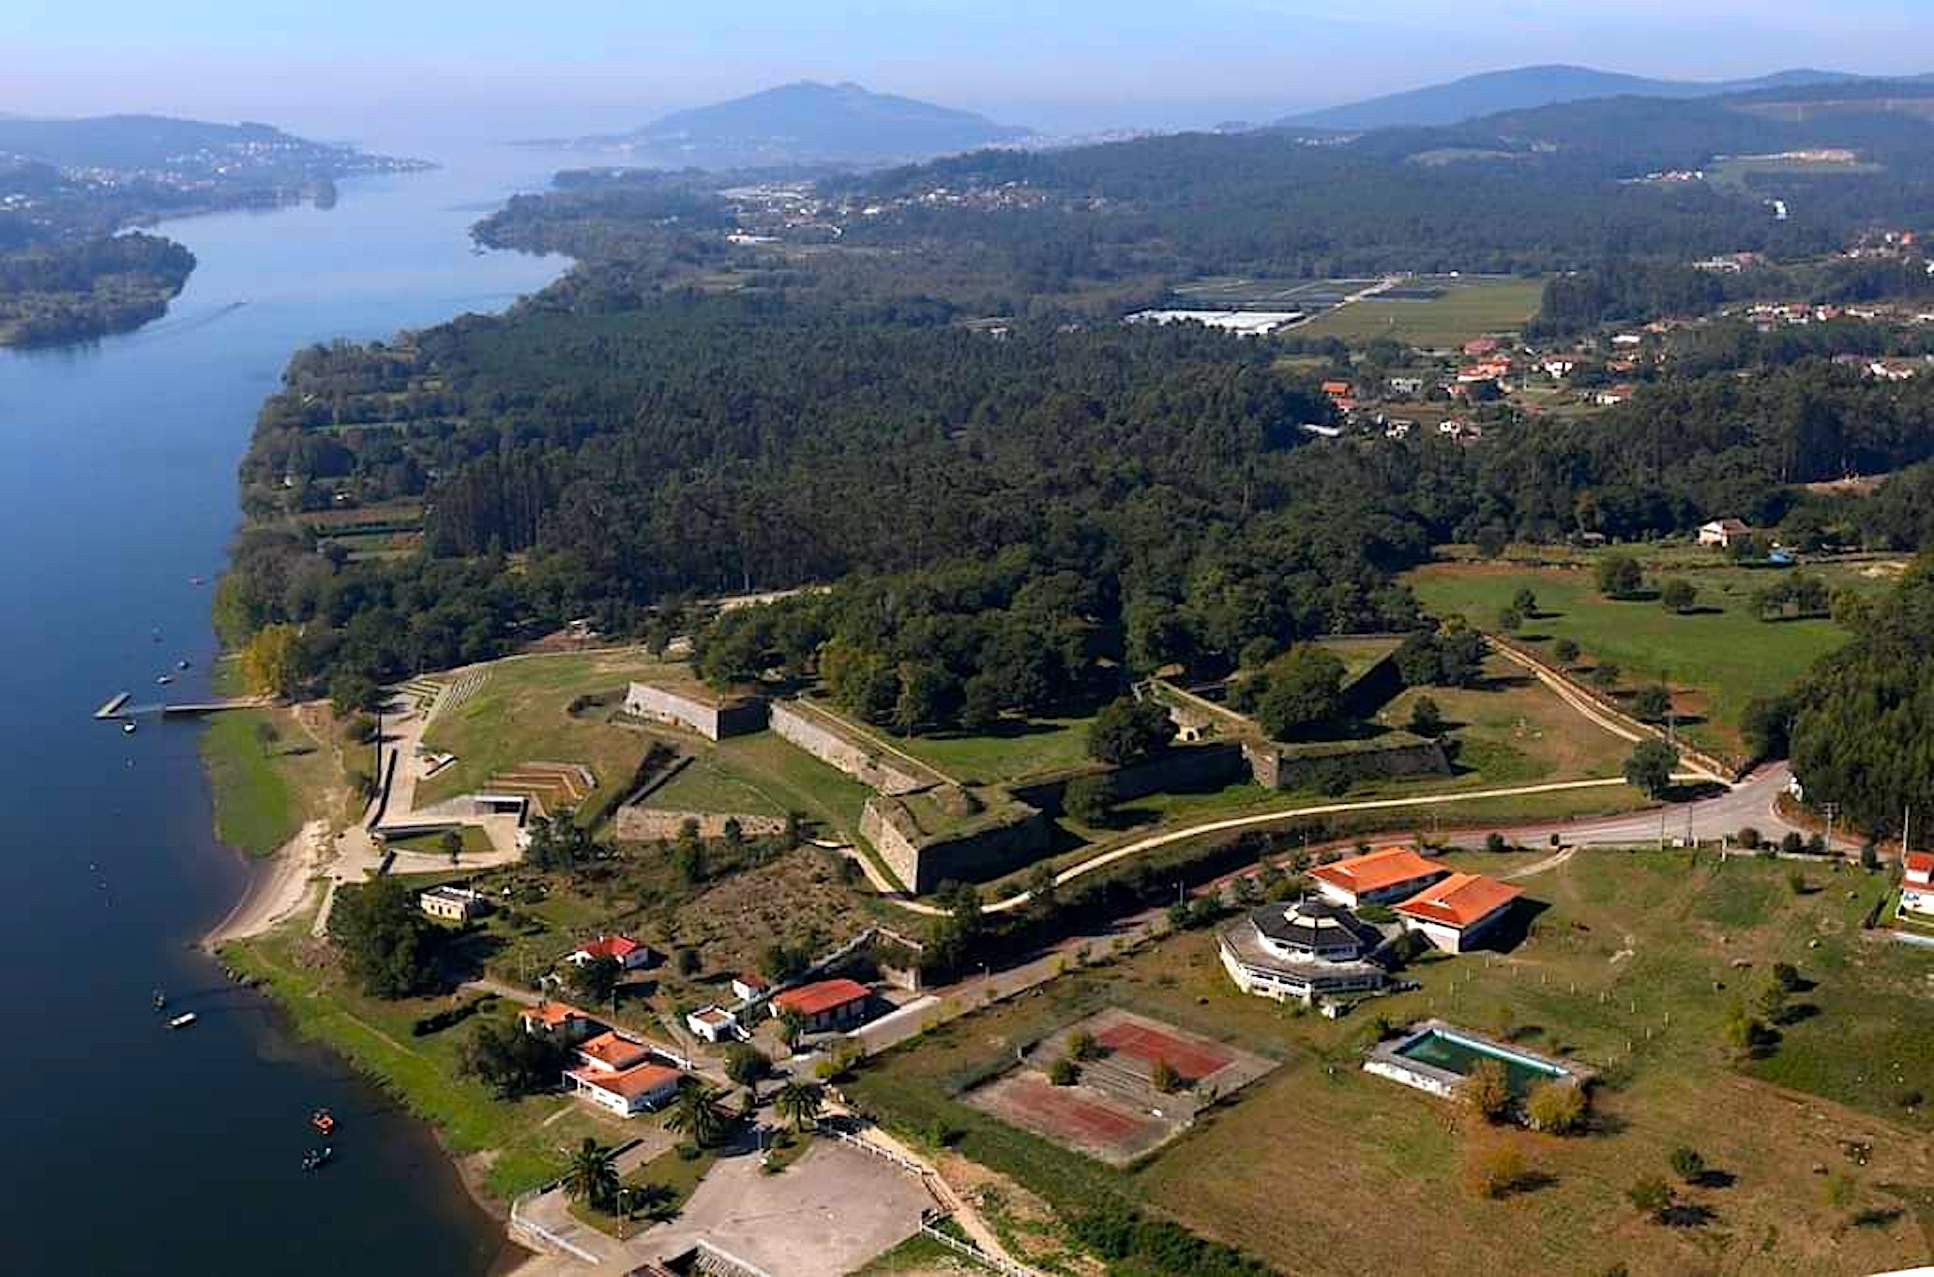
[(278, 887)]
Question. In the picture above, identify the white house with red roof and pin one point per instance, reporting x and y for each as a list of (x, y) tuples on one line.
[(1456, 912), (1917, 882), (626, 952), (824, 1004), (626, 1092), (1380, 877), (556, 1020)]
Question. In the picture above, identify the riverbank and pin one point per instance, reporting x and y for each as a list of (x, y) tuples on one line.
[(279, 886)]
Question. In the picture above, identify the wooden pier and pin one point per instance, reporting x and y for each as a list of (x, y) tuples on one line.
[(112, 708), (216, 707)]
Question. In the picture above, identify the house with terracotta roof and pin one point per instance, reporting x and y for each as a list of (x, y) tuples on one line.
[(627, 1092), (566, 1024), (1917, 882), (626, 952), (1455, 913), (609, 1053), (1380, 877), (1723, 532), (825, 1004)]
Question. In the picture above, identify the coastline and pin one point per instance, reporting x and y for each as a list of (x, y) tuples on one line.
[(279, 886)]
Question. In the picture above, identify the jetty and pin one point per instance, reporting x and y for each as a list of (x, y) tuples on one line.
[(112, 708), (216, 707)]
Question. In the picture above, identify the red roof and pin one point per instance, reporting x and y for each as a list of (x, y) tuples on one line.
[(613, 1051), (631, 1083), (619, 947), (1921, 862), (552, 1014), (1460, 900), (826, 995), (1376, 871)]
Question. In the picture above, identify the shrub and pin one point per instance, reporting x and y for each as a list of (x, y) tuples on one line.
[(1063, 1072), (1557, 1107), (1426, 718), (1687, 1164), (1748, 837), (1678, 594), (1650, 1196), (1565, 650), (1619, 576), (1381, 915), (1485, 1090), (1492, 1172), (1792, 844), (1164, 1078), (1796, 882), (1495, 841)]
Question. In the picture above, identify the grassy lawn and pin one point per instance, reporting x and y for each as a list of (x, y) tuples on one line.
[(474, 842), (521, 715), (1018, 749), (1469, 308), (674, 1176), (1512, 730), (264, 793), (793, 780), (1721, 656), (706, 784), (513, 1145), (1630, 968)]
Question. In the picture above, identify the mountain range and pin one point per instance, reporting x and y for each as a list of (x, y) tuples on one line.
[(1524, 88), (806, 123)]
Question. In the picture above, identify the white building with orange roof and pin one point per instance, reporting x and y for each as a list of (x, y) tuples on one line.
[(1917, 882), (556, 1020), (1455, 913), (1380, 877), (628, 1092)]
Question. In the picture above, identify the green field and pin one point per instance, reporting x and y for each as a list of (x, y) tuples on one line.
[(1631, 968), (1468, 308), (263, 794), (521, 715), (793, 780), (1019, 748), (1721, 655), (473, 840)]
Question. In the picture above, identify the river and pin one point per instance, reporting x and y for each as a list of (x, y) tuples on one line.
[(128, 1148)]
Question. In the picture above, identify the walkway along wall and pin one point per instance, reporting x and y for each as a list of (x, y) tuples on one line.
[(801, 725)]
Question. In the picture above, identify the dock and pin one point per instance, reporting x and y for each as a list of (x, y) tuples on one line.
[(112, 709), (216, 707)]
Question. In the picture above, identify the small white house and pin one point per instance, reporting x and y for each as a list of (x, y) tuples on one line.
[(714, 1024), (1917, 885), (628, 953), (636, 1090), (1458, 912), (749, 987), (1723, 532), (452, 904)]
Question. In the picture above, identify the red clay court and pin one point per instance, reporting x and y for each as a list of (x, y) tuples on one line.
[(1098, 1125), (1191, 1057)]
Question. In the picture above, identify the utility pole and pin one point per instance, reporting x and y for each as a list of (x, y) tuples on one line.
[(1831, 810), (1906, 827)]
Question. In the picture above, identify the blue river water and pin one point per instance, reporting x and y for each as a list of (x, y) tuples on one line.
[(128, 1148)]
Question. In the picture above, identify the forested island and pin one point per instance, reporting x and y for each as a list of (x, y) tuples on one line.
[(67, 187)]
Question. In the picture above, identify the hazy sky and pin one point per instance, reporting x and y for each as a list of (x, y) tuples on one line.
[(371, 69)]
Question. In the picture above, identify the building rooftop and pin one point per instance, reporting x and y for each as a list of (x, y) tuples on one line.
[(552, 1014), (1377, 870), (613, 1051), (618, 947), (1460, 900), (1920, 862), (1314, 924), (1244, 942), (823, 996), (631, 1083), (459, 895)]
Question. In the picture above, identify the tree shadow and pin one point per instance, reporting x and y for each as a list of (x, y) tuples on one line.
[(1877, 1216), (1687, 1215), (1796, 1013), (1693, 791), (1712, 1177), (1533, 1182)]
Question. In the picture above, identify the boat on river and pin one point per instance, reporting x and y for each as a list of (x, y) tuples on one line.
[(182, 1021)]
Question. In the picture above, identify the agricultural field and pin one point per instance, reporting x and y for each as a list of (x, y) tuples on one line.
[(522, 713), (1717, 658), (1816, 1152), (1468, 307)]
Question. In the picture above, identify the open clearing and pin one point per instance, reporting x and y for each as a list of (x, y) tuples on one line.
[(1721, 652), (1630, 969), (1469, 307), (1512, 730)]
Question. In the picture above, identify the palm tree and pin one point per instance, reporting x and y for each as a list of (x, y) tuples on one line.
[(792, 1027), (699, 1112), (799, 1103), (592, 1175)]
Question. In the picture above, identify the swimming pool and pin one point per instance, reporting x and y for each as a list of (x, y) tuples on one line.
[(1458, 1053)]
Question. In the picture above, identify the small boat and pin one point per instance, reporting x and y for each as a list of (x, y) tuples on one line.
[(315, 1157), (324, 1121), (196, 580), (182, 1021), (164, 679), (160, 1000), (181, 664), (127, 729)]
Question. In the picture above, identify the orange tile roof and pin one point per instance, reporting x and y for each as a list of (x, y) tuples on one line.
[(553, 1014), (1376, 871), (631, 1083), (1920, 862), (1460, 900), (826, 995), (619, 947), (609, 1048)]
